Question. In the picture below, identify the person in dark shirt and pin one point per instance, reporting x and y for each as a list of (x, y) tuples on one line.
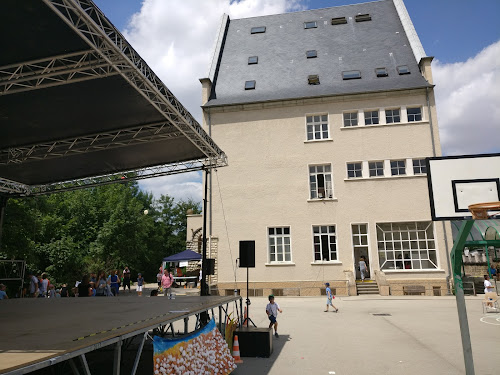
[(84, 287), (64, 291)]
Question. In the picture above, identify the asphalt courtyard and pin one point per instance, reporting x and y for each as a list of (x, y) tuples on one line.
[(421, 335)]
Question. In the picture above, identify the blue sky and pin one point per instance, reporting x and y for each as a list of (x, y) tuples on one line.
[(175, 37)]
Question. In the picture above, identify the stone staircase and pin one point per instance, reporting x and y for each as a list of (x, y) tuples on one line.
[(366, 288)]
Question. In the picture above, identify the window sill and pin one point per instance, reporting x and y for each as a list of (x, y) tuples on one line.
[(382, 125), (326, 263), (385, 177), (318, 140), (414, 271), (323, 199), (279, 264)]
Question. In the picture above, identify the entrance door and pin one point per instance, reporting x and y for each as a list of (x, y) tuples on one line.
[(360, 248)]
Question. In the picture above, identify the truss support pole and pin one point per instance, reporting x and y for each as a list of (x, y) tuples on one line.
[(186, 320), (3, 204), (74, 369), (139, 353), (220, 318), (85, 365), (456, 260), (118, 358)]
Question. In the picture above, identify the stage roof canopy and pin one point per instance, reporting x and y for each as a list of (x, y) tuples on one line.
[(183, 256), (79, 107)]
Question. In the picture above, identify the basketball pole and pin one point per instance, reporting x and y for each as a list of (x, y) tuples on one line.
[(456, 260)]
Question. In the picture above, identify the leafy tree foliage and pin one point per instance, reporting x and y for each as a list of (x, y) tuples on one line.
[(103, 228)]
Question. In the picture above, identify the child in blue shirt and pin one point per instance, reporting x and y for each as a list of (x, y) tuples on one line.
[(329, 298)]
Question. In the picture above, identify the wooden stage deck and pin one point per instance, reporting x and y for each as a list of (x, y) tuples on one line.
[(36, 333)]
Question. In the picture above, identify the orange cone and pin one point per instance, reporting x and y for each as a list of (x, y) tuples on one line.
[(245, 321), (236, 350)]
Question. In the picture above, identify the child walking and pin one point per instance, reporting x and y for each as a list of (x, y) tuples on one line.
[(329, 298), (272, 309)]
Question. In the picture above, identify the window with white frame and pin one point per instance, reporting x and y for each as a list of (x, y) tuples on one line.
[(351, 119), (317, 127), (406, 246), (419, 166), (354, 170), (392, 115), (376, 168), (398, 167), (325, 243), (280, 249), (371, 118), (414, 114), (320, 181)]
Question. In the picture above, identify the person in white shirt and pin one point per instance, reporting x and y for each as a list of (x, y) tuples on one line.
[(272, 309), (487, 285)]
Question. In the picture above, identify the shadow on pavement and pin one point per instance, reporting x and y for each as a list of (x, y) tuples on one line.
[(252, 366)]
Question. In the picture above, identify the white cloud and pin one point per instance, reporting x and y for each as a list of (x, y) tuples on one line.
[(467, 100), (176, 38)]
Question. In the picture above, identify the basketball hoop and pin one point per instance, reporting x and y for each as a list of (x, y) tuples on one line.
[(479, 211)]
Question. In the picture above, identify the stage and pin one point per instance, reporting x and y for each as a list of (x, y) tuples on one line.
[(37, 333)]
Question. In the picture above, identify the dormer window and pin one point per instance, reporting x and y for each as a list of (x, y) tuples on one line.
[(381, 72), (311, 54), (253, 60), (403, 69), (250, 85), (313, 79), (339, 21), (310, 25), (351, 74), (362, 18), (258, 30)]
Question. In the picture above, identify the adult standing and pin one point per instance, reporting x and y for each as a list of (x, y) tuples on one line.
[(362, 267), (159, 275), (166, 282), (126, 279), (33, 285), (115, 283), (44, 285)]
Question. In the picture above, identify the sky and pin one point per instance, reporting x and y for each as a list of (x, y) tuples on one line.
[(176, 38)]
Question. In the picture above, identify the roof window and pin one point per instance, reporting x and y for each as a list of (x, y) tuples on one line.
[(363, 17), (253, 60), (250, 85), (311, 54), (258, 30), (381, 72), (351, 74), (313, 79), (403, 69), (310, 25), (338, 21)]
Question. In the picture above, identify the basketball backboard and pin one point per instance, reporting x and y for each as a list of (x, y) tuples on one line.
[(455, 182)]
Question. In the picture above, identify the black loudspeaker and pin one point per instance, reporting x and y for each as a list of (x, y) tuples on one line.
[(247, 254), (209, 266), (255, 342)]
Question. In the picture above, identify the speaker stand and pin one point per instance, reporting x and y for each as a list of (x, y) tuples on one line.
[(247, 319)]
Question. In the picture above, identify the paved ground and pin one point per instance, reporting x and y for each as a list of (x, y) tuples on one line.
[(421, 336)]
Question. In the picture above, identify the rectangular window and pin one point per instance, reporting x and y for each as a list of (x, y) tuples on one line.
[(371, 118), (351, 74), (317, 127), (320, 181), (351, 119), (280, 249), (253, 60), (354, 170), (325, 243), (258, 30), (381, 72), (419, 166), (313, 79), (311, 54), (398, 167), (310, 25), (392, 115), (249, 85), (339, 20), (406, 246), (362, 17), (403, 69), (376, 168), (414, 114)]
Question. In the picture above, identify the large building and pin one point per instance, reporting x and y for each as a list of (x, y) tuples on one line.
[(326, 117)]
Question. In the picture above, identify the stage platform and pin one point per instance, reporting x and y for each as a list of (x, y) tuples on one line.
[(36, 333)]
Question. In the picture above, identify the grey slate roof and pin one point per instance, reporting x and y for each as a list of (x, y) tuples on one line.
[(283, 68)]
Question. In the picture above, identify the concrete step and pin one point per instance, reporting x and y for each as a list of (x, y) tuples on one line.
[(367, 288)]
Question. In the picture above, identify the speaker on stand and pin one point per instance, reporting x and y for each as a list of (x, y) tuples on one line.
[(247, 260)]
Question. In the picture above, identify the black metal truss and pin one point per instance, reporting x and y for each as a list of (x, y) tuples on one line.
[(13, 188), (88, 143), (94, 28), (54, 71)]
